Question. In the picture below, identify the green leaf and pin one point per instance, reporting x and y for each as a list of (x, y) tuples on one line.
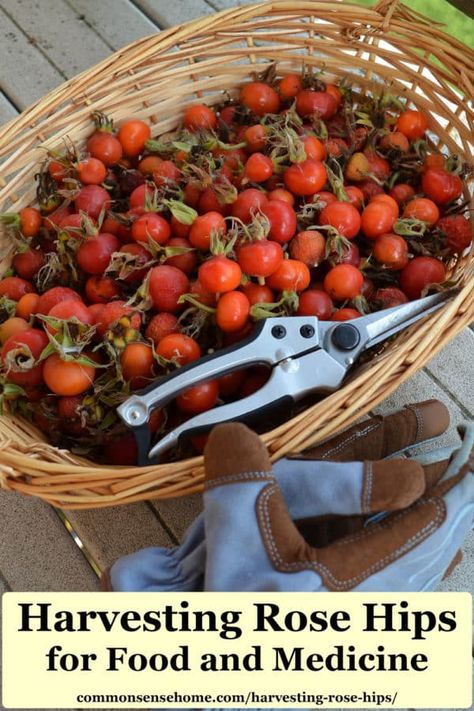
[(13, 389), (47, 351), (410, 227), (181, 212), (7, 308), (169, 252), (288, 304), (158, 146), (108, 421), (191, 299), (182, 146), (84, 360), (10, 220)]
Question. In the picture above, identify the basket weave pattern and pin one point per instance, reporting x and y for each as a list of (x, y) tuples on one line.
[(154, 79)]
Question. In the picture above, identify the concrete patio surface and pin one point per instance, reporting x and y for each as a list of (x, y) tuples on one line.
[(42, 43)]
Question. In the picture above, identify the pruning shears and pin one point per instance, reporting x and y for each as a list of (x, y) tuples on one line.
[(305, 355)]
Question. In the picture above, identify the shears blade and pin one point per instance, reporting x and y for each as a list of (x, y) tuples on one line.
[(383, 324)]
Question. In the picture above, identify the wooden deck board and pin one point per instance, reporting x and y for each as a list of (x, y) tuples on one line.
[(36, 553), (227, 4), (4, 587), (7, 110), (178, 514), (113, 532), (449, 363), (167, 14), (133, 23), (70, 45), (38, 76)]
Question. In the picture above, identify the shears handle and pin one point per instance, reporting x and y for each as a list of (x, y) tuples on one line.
[(136, 410), (290, 381), (271, 341)]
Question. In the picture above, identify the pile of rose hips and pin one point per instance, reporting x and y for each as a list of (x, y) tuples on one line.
[(299, 198)]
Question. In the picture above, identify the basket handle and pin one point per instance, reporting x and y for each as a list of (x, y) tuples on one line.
[(386, 8)]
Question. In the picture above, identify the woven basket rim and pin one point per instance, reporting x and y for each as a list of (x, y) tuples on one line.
[(37, 468), (379, 17)]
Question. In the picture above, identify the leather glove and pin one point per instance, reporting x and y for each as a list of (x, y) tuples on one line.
[(312, 492), (253, 544)]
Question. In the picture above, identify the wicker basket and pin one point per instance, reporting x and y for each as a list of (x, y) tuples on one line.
[(154, 79)]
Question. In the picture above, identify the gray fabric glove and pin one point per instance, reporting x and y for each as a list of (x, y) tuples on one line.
[(328, 500), (253, 544)]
